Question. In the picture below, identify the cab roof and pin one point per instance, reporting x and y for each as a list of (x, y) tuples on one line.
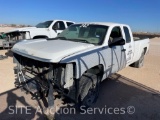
[(103, 23)]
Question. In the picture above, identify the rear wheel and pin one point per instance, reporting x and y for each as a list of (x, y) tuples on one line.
[(140, 62), (89, 86)]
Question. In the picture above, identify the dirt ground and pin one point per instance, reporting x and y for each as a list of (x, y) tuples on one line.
[(129, 94), (5, 29)]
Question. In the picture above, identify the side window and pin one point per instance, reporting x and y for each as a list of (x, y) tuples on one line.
[(59, 25), (115, 33), (69, 23), (127, 34)]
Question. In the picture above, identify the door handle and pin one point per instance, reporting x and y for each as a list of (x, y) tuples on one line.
[(123, 50), (110, 65)]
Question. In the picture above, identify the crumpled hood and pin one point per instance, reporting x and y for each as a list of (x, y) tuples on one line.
[(49, 51), (27, 29)]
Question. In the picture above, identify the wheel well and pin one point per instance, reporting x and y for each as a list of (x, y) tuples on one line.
[(40, 36), (145, 50), (97, 70)]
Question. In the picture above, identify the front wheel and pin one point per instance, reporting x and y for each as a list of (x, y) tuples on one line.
[(89, 86)]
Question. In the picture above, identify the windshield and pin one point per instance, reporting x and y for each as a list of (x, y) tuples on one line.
[(88, 33), (44, 24)]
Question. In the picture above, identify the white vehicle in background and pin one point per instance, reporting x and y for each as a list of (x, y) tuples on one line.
[(47, 29), (77, 60)]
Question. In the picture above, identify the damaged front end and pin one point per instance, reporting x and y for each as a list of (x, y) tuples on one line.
[(14, 37), (42, 79)]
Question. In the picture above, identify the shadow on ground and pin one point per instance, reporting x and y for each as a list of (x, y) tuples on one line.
[(18, 107), (9, 53), (116, 95)]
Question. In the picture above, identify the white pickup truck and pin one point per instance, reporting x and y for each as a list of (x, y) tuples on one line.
[(75, 62), (47, 29)]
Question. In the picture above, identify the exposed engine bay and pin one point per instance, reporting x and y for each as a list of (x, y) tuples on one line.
[(39, 78)]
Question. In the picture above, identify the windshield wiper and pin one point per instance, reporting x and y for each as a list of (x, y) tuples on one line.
[(56, 38), (80, 40), (74, 40), (62, 38)]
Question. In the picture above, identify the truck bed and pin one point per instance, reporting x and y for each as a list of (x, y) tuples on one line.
[(138, 39), (139, 45)]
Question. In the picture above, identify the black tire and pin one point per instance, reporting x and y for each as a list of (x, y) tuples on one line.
[(140, 62), (89, 89)]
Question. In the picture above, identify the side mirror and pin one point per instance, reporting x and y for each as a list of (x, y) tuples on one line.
[(117, 41), (121, 42)]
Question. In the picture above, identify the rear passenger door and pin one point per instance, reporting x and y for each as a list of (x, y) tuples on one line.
[(128, 45)]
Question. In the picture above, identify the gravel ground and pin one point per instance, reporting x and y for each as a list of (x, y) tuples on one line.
[(130, 94)]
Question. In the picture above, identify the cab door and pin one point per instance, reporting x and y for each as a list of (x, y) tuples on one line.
[(117, 51)]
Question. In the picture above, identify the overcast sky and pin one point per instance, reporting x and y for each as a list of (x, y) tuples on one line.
[(141, 15)]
